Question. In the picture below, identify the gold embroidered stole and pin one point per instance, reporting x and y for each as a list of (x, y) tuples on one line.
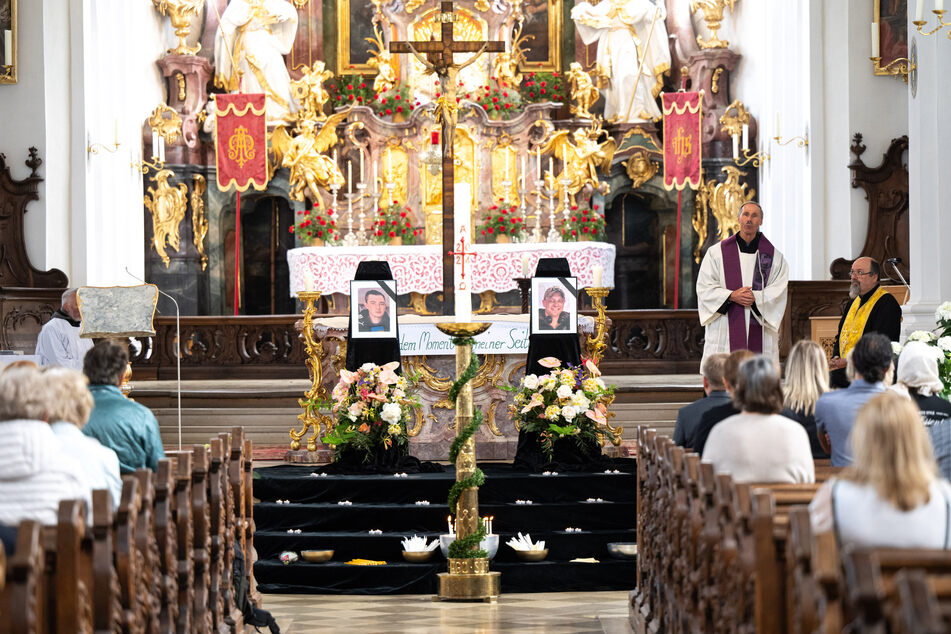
[(855, 320)]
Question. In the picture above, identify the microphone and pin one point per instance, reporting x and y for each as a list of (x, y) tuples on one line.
[(895, 262)]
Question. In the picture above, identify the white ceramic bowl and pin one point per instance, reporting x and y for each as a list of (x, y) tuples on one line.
[(490, 544)]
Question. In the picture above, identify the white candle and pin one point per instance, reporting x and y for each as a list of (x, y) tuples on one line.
[(335, 155), (939, 5), (462, 213), (308, 280), (736, 145), (920, 11), (361, 165), (777, 125), (596, 275), (524, 265), (538, 163), (374, 176), (115, 131), (551, 170), (349, 177), (388, 176), (746, 136), (875, 51), (522, 172), (8, 47), (564, 157), (154, 144), (449, 524), (161, 149)]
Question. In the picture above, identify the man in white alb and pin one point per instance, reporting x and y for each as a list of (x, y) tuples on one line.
[(741, 290), (59, 342)]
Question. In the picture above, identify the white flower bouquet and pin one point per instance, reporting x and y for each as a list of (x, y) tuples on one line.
[(567, 402), (372, 407), (940, 340)]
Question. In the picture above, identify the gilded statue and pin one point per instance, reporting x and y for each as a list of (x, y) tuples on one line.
[(309, 91), (724, 201), (382, 61), (199, 221), (167, 204), (505, 66), (179, 13), (640, 168), (584, 94), (585, 155), (310, 168), (712, 15)]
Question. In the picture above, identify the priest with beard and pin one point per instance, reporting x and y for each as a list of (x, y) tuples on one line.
[(872, 309), (741, 291)]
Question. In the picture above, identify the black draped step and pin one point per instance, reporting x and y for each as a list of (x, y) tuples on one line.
[(388, 503)]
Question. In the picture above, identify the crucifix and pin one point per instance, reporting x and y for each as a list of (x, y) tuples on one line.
[(439, 60)]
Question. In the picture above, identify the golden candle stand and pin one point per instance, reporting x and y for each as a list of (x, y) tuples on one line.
[(311, 417), (468, 579), (597, 343)]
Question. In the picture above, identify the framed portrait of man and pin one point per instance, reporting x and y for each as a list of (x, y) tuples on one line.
[(373, 309), (554, 305)]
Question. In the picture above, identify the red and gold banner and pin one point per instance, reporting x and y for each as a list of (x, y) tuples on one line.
[(682, 116), (241, 141)]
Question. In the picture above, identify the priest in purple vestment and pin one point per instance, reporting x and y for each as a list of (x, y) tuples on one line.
[(741, 290)]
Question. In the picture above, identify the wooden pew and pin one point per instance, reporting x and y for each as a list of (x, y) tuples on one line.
[(233, 618), (68, 560), (184, 538), (166, 540), (107, 608), (24, 589), (146, 542), (919, 610)]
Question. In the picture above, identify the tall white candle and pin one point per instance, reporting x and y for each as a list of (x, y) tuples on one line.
[(920, 11), (522, 173), (746, 136), (161, 149), (388, 176), (596, 275), (8, 47), (939, 5), (335, 156), (538, 163), (462, 212), (361, 166), (154, 144), (374, 176), (524, 265), (349, 177), (551, 170), (875, 50), (736, 145), (776, 129), (308, 280), (115, 131), (506, 158), (449, 524), (564, 157)]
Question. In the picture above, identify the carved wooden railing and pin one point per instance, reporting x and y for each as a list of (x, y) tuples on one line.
[(653, 342)]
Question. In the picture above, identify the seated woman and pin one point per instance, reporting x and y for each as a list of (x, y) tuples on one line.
[(807, 378), (918, 378), (70, 403), (891, 495), (759, 445)]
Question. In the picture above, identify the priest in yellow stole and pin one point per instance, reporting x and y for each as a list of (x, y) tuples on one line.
[(872, 310)]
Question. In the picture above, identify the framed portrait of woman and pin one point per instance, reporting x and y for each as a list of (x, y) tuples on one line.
[(373, 309), (554, 305)]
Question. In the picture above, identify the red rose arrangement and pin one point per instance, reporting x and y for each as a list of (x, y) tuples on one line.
[(394, 221), (584, 223), (501, 220), (315, 224)]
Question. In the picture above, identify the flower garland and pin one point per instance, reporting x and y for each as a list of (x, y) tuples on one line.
[(466, 547)]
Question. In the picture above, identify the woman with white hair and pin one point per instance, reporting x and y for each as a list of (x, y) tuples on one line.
[(70, 403), (918, 376)]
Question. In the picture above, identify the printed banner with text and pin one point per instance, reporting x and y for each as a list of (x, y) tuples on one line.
[(682, 116), (241, 141)]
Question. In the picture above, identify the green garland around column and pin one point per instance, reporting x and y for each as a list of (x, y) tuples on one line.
[(467, 547)]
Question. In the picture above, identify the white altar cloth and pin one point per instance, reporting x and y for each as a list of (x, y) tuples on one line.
[(419, 336), (419, 268)]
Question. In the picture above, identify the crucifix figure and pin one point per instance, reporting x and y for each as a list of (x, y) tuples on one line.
[(439, 60)]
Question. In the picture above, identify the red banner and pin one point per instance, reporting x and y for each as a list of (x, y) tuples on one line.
[(682, 115), (241, 141)]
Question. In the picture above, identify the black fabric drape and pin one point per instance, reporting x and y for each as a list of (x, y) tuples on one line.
[(562, 346), (364, 350)]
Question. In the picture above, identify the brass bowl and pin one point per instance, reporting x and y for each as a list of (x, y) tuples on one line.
[(417, 556), (532, 555), (455, 329), (622, 550), (317, 556)]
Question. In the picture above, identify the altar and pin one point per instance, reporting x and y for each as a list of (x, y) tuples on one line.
[(429, 356)]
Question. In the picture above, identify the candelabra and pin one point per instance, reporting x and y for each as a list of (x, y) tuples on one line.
[(143, 166), (361, 201), (537, 231), (553, 235), (566, 211), (756, 158), (376, 196), (523, 208), (921, 23), (350, 239), (310, 417), (597, 344), (801, 141), (334, 188)]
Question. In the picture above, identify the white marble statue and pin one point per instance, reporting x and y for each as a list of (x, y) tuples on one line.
[(621, 29), (250, 46)]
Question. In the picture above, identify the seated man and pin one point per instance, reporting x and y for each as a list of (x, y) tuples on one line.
[(835, 411), (721, 412), (58, 342), (35, 472), (872, 310), (124, 426), (688, 418)]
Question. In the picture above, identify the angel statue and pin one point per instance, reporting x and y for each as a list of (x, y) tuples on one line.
[(382, 61), (309, 91), (506, 63), (167, 205), (584, 93), (304, 155), (585, 157)]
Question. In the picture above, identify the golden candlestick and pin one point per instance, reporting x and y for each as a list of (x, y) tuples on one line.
[(899, 67), (597, 344), (311, 417), (468, 578)]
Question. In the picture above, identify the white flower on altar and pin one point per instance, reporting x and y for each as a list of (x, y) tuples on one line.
[(391, 413), (944, 312), (896, 348), (355, 410), (564, 391), (547, 382), (530, 382), (945, 343), (590, 385), (567, 377), (569, 412), (580, 401), (394, 430), (552, 412), (922, 335), (398, 393), (366, 367)]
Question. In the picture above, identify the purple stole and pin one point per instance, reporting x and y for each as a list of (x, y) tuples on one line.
[(734, 280)]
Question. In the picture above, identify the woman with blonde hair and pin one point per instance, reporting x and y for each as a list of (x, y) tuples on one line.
[(807, 378), (891, 495), (69, 405)]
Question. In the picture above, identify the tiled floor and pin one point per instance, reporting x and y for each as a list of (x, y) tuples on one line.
[(568, 612)]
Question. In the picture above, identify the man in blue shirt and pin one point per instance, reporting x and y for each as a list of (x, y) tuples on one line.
[(123, 425), (835, 411), (688, 418)]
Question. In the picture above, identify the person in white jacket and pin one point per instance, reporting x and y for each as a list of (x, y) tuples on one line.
[(35, 472), (58, 342)]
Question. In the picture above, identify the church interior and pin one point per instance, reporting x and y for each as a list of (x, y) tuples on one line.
[(267, 167)]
